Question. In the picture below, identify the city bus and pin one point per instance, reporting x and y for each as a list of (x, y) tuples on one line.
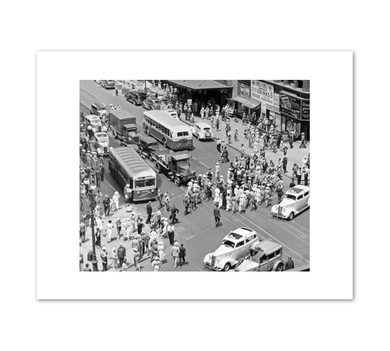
[(171, 132), (128, 167)]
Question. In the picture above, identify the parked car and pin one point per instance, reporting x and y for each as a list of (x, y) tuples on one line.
[(136, 97), (296, 200), (235, 246), (93, 121), (172, 112), (151, 104), (108, 84), (263, 256), (101, 142), (202, 131)]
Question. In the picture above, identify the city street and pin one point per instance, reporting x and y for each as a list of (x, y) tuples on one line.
[(197, 230)]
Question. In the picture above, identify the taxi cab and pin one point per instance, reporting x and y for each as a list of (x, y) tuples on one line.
[(202, 131), (98, 108), (235, 246), (101, 142), (296, 200), (263, 256), (93, 121)]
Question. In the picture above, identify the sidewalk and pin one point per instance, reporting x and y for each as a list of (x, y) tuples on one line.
[(294, 155)]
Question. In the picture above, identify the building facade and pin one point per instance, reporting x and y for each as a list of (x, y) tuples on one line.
[(287, 102)]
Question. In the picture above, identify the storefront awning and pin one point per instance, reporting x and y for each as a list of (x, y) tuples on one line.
[(200, 84), (251, 103)]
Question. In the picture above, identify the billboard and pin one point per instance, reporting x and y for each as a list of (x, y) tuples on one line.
[(290, 106), (262, 92)]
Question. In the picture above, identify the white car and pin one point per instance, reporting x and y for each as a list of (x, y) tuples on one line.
[(93, 121), (202, 131), (171, 112), (101, 143), (296, 200), (235, 246)]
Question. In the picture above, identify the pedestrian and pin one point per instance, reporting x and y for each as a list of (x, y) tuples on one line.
[(82, 232), (114, 258), (136, 258), (149, 211), (175, 253), (156, 264), (171, 233), (217, 124), (128, 193), (109, 230), (186, 203), (242, 150), (284, 162), (217, 170), (161, 251), (160, 198), (140, 225), (279, 190), (145, 238), (253, 200), (119, 227), (174, 212), (303, 144), (103, 256), (98, 241), (217, 215), (102, 171), (98, 176), (116, 91), (182, 255), (305, 173), (202, 112), (289, 264), (166, 201), (115, 198), (218, 145), (121, 255), (267, 195), (81, 260), (299, 175)]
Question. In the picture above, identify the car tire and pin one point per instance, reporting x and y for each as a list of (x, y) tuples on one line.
[(164, 143), (279, 267), (226, 267), (177, 181), (158, 167), (291, 216)]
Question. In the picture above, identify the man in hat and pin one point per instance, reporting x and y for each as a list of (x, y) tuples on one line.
[(174, 212), (289, 264), (102, 170), (115, 198), (171, 233), (182, 255), (149, 211), (106, 204), (121, 254), (217, 215)]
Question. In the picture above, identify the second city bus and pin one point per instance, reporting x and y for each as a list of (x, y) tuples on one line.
[(128, 167), (173, 133)]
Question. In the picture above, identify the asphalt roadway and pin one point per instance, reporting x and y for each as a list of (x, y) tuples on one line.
[(197, 230)]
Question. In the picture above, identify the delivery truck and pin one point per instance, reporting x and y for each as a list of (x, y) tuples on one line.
[(121, 123)]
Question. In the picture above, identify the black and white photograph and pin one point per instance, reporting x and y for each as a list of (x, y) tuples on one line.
[(191, 179), (194, 175)]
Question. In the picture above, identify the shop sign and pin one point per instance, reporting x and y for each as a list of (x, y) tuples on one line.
[(244, 91), (290, 106), (262, 92), (305, 109)]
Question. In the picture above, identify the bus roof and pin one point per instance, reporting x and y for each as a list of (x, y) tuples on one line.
[(165, 119), (132, 162)]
